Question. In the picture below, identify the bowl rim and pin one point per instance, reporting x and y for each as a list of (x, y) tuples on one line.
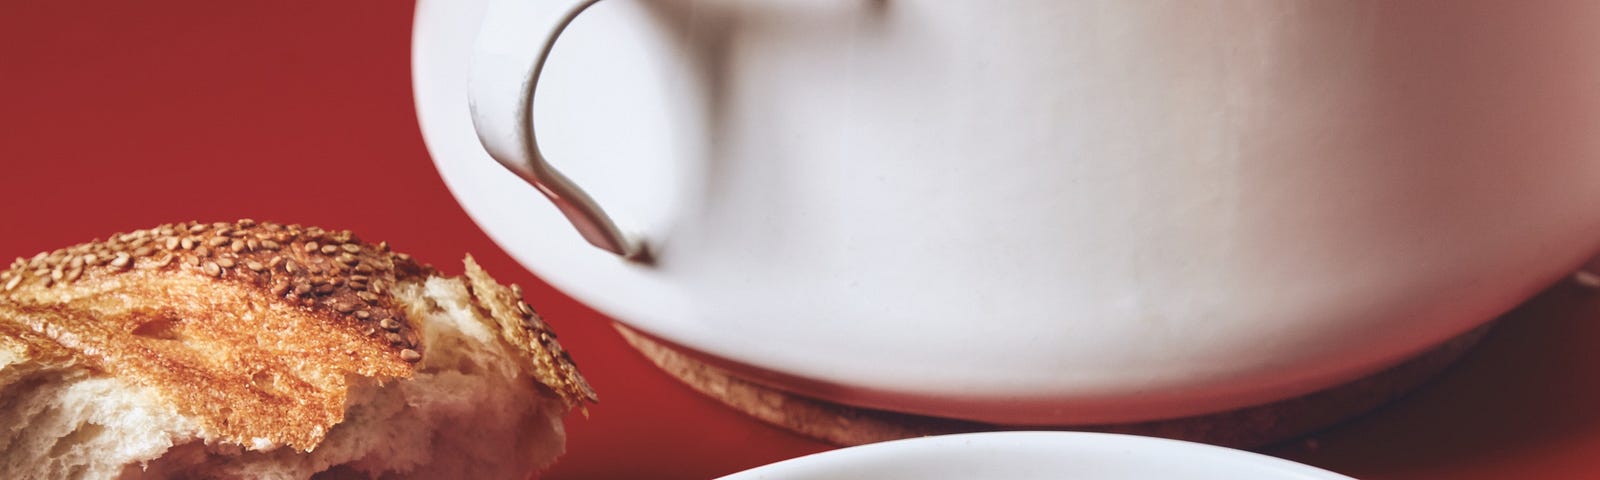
[(970, 449)]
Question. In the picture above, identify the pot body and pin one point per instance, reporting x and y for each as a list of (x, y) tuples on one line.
[(1051, 211)]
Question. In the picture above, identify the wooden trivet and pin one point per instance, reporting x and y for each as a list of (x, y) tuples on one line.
[(1248, 427)]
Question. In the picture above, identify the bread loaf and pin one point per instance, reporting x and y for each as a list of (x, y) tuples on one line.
[(258, 350)]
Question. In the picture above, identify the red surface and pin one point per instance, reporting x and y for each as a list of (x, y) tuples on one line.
[(117, 115)]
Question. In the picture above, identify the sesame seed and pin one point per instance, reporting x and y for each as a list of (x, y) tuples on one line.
[(121, 261), (524, 308), (389, 324), (395, 338), (345, 269), (516, 290), (410, 355)]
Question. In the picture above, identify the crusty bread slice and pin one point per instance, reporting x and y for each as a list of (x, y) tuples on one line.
[(254, 350)]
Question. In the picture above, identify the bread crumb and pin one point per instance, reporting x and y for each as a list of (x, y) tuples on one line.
[(1586, 279)]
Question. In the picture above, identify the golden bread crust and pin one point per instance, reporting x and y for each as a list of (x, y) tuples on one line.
[(525, 331), (254, 329)]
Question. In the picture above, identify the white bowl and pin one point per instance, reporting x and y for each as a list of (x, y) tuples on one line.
[(1348, 223), (1028, 455)]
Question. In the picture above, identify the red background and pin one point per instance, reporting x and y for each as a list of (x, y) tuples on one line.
[(118, 115)]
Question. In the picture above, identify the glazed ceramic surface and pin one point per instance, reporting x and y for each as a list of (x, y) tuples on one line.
[(1036, 455), (1033, 212)]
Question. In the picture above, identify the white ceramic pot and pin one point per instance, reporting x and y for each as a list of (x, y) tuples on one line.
[(1030, 211)]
